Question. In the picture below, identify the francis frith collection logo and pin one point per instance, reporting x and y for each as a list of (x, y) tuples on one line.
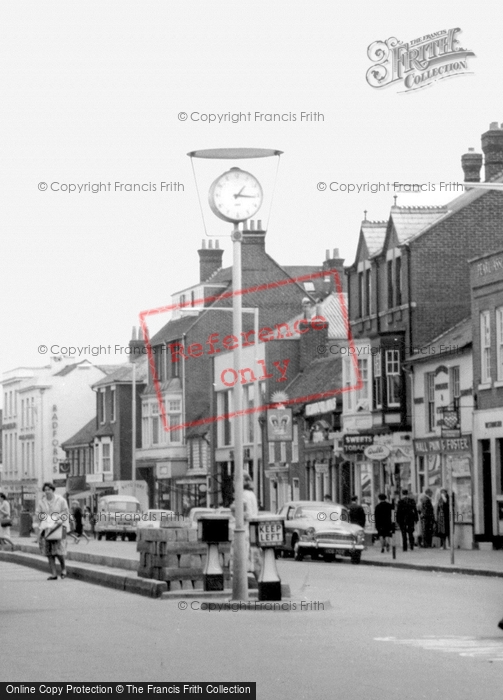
[(418, 63)]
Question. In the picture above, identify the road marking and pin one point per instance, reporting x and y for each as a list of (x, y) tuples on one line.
[(490, 649)]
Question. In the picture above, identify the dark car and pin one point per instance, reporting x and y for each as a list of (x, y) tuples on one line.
[(321, 529)]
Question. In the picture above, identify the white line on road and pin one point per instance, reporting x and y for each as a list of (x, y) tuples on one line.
[(492, 649)]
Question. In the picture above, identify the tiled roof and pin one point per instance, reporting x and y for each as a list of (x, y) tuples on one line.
[(83, 437), (108, 369), (410, 221), (173, 386), (320, 376), (331, 310), (457, 337), (173, 330), (124, 373), (221, 276), (299, 270), (374, 233), (469, 195)]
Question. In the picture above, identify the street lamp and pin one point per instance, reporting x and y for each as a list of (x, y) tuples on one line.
[(235, 196)]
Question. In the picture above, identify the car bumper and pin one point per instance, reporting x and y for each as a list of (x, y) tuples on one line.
[(332, 546)]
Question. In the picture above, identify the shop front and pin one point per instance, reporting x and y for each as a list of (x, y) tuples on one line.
[(448, 463)]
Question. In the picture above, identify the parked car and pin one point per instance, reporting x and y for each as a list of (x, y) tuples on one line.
[(117, 516), (196, 513), (321, 529), (155, 518)]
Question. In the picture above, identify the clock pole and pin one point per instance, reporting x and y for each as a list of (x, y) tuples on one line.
[(239, 563)]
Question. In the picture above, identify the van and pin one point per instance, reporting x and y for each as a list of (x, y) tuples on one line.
[(117, 516)]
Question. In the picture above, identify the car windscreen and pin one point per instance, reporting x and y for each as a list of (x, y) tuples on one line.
[(322, 514), (123, 507)]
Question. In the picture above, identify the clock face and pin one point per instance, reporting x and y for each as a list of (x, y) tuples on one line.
[(235, 196)]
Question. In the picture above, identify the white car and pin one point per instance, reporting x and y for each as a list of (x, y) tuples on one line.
[(155, 518)]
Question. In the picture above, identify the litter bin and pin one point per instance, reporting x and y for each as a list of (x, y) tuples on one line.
[(25, 524), (213, 529)]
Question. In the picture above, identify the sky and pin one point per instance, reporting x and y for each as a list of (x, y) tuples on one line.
[(92, 93)]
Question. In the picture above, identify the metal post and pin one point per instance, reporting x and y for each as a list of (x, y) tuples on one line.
[(254, 416), (239, 576), (451, 511), (133, 430)]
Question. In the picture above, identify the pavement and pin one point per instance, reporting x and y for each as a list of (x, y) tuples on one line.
[(114, 564)]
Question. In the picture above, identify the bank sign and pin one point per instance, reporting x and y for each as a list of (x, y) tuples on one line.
[(418, 63), (432, 446)]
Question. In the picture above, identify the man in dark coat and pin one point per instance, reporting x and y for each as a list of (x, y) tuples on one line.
[(407, 517), (356, 513), (384, 521)]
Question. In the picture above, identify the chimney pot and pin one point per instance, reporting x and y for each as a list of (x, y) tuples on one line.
[(492, 147), (217, 244), (327, 254), (252, 225), (471, 163), (210, 244), (336, 253), (259, 225), (133, 334), (203, 244)]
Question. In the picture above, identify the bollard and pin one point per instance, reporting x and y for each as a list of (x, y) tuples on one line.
[(268, 532), (213, 529)]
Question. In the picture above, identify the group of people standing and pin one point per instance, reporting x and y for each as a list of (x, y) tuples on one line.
[(433, 520)]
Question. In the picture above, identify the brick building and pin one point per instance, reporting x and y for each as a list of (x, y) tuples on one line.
[(411, 289), (184, 349), (486, 274)]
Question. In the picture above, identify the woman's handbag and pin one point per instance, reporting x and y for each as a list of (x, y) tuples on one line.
[(55, 532), (6, 522)]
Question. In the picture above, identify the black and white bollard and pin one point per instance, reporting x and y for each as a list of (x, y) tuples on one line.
[(268, 532), (213, 529)]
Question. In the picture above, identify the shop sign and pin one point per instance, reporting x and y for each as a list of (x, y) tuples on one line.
[(429, 446), (377, 452), (355, 444), (321, 407), (321, 468), (279, 425)]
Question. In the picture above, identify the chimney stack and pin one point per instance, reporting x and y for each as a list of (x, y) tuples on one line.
[(335, 263), (136, 345), (210, 260), (492, 147), (471, 163), (253, 242)]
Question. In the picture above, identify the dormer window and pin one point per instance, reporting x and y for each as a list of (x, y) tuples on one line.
[(309, 286)]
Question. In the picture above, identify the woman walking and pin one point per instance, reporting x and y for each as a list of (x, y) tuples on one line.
[(53, 518), (443, 518), (5, 521)]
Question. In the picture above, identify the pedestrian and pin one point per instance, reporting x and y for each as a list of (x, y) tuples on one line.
[(384, 521), (53, 517), (251, 511), (357, 513), (500, 624), (407, 517), (5, 521), (427, 517), (443, 518), (327, 498), (78, 523), (87, 524)]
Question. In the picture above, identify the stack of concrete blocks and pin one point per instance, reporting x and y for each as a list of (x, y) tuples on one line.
[(173, 554)]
